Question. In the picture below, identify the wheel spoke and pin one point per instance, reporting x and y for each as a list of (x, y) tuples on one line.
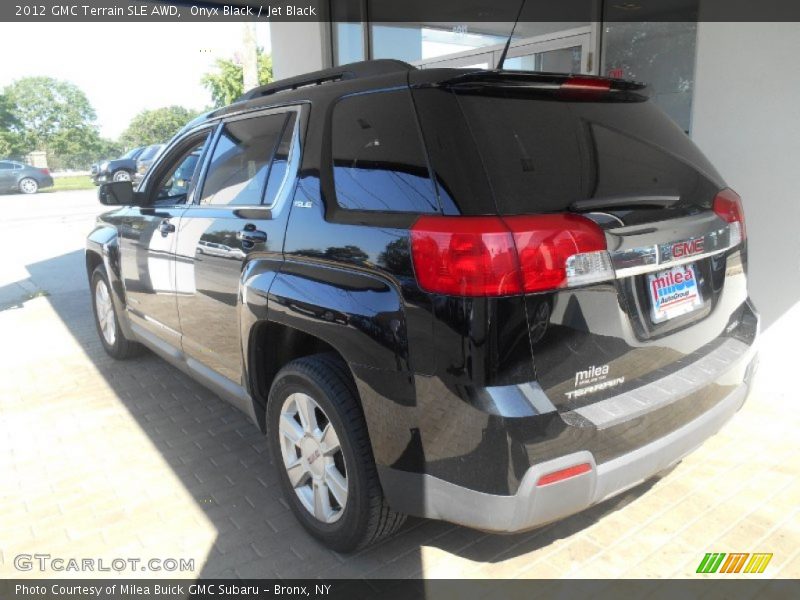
[(308, 452), (290, 428), (337, 484), (322, 503), (305, 407), (329, 440), (298, 474)]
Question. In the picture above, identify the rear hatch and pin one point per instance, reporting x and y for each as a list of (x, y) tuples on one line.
[(672, 287)]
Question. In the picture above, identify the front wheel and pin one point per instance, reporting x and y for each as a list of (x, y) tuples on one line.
[(28, 185), (321, 449), (105, 317), (122, 175)]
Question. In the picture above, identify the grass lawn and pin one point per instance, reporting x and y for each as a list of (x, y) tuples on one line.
[(73, 182)]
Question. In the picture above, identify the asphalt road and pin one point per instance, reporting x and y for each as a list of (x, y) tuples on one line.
[(34, 229)]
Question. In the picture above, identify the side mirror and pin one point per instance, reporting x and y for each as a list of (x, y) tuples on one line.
[(118, 193)]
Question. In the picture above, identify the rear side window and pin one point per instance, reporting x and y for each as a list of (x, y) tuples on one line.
[(378, 159), (239, 167), (280, 162)]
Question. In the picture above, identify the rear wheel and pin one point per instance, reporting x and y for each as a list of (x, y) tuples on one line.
[(28, 185), (321, 449), (105, 317)]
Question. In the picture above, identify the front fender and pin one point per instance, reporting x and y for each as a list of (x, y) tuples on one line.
[(102, 245)]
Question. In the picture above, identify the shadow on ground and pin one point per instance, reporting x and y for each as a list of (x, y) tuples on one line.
[(222, 461)]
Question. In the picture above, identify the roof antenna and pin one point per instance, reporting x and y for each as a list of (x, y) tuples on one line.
[(510, 35)]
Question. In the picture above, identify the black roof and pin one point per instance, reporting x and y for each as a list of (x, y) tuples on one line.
[(360, 70), (367, 75)]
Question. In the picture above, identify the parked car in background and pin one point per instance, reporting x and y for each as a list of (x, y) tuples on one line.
[(118, 169), (146, 159), (19, 177)]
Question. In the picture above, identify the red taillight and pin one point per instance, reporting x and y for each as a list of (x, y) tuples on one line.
[(545, 244), (45, 171), (728, 206), (588, 84), (494, 256), (563, 474), (465, 256)]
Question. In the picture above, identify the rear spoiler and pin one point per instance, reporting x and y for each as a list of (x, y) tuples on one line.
[(561, 84)]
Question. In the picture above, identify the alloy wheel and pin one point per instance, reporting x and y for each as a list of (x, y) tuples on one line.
[(312, 457), (105, 312)]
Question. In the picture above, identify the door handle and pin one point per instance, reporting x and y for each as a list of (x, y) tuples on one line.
[(166, 227), (249, 236)]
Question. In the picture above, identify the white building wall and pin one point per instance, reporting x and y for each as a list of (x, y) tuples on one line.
[(746, 118), (299, 47)]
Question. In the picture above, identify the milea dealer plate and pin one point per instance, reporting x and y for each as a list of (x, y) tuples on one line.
[(674, 292)]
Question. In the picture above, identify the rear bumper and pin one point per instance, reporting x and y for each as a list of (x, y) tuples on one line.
[(533, 504)]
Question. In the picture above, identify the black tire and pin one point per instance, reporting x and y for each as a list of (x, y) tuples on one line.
[(366, 517), (122, 175), (121, 347)]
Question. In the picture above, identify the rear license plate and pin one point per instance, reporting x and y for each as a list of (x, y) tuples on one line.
[(673, 292)]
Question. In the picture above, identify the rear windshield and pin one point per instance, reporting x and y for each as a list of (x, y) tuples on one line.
[(542, 154)]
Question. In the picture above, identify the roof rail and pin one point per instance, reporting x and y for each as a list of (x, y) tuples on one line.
[(355, 70)]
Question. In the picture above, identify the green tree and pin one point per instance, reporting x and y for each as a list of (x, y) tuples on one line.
[(110, 149), (226, 81), (156, 126), (11, 142), (50, 111)]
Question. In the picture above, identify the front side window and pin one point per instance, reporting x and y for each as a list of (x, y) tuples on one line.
[(173, 187), (239, 167), (6, 166), (378, 160)]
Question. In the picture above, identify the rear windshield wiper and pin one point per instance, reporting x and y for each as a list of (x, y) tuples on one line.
[(627, 201)]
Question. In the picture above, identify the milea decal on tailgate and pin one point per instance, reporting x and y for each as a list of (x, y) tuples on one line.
[(593, 379)]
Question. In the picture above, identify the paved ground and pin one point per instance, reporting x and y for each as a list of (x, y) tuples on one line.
[(100, 459)]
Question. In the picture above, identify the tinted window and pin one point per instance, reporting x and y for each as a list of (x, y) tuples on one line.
[(6, 165), (150, 152), (541, 155), (280, 163), (176, 182), (378, 160), (240, 164)]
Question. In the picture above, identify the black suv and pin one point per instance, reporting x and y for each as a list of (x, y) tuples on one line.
[(490, 297), (117, 169)]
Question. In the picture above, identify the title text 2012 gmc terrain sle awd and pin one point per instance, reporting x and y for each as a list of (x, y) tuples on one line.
[(490, 297)]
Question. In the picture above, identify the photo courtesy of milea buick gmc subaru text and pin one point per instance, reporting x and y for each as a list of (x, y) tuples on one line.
[(490, 297)]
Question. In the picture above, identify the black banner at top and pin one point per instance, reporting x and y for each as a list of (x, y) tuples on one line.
[(406, 11)]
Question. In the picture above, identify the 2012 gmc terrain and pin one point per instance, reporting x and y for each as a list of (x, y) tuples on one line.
[(490, 297)]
